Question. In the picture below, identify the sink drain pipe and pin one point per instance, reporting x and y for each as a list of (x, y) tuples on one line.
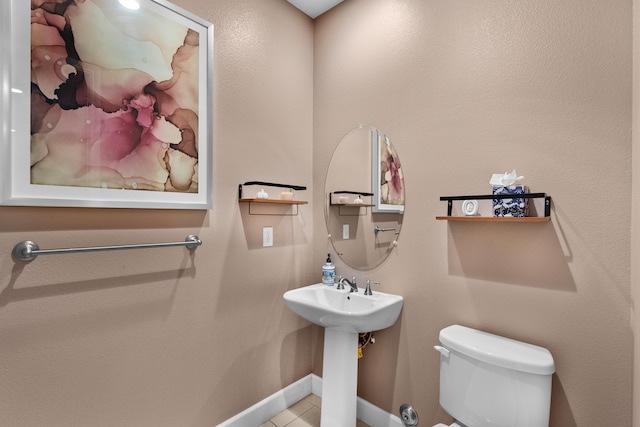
[(408, 415)]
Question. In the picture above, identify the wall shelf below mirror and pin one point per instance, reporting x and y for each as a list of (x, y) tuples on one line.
[(539, 208), (274, 201), (287, 197)]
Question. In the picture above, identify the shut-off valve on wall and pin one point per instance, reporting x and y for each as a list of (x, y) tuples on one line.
[(408, 415)]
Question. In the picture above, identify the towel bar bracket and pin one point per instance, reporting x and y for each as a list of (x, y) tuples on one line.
[(24, 251)]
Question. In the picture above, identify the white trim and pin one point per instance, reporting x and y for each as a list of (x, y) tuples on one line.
[(375, 416), (266, 409), (262, 411), (316, 385)]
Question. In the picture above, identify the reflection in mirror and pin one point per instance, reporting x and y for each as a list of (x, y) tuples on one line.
[(364, 198)]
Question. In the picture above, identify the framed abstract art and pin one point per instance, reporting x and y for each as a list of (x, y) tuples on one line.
[(387, 177), (105, 103)]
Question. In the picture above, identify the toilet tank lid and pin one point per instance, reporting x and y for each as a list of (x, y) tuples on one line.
[(497, 350)]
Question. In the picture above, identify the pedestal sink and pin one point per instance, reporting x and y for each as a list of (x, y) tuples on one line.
[(343, 314)]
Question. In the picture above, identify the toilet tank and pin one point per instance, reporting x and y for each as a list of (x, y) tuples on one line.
[(490, 381)]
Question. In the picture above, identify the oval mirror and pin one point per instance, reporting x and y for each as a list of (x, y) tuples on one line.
[(364, 198)]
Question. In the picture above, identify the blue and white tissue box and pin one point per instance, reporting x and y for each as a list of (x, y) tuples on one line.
[(510, 207)]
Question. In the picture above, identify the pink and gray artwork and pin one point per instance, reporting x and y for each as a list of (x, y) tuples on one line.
[(114, 97)]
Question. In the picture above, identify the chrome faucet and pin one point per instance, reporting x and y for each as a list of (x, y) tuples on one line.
[(352, 284), (367, 289)]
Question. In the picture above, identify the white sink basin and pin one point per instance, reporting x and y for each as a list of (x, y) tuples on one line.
[(343, 310)]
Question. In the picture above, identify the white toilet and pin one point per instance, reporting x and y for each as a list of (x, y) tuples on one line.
[(490, 381)]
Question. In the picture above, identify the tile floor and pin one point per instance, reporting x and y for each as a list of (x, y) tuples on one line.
[(305, 413)]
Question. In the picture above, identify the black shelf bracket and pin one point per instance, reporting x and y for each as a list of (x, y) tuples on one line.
[(361, 193), (357, 193), (547, 199), (269, 184)]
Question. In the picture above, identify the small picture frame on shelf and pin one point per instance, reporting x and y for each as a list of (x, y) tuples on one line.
[(470, 207)]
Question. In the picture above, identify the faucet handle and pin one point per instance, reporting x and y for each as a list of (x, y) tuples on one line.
[(340, 284), (367, 290)]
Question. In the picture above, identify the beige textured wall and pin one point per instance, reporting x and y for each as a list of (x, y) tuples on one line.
[(155, 337), (635, 218), (465, 89)]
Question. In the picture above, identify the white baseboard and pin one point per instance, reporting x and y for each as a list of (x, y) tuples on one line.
[(262, 411), (375, 416)]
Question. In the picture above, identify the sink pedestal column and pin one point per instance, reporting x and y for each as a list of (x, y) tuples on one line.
[(339, 379)]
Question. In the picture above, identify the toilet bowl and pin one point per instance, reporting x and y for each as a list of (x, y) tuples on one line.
[(491, 381)]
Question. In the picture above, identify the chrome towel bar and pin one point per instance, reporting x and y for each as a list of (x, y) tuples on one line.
[(377, 229), (28, 250)]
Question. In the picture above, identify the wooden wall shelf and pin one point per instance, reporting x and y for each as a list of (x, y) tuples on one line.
[(350, 204), (495, 219), (353, 205), (275, 201), (450, 199)]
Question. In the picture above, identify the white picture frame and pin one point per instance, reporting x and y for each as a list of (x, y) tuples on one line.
[(171, 130), (387, 180)]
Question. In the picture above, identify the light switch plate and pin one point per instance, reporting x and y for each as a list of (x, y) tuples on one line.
[(267, 236)]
